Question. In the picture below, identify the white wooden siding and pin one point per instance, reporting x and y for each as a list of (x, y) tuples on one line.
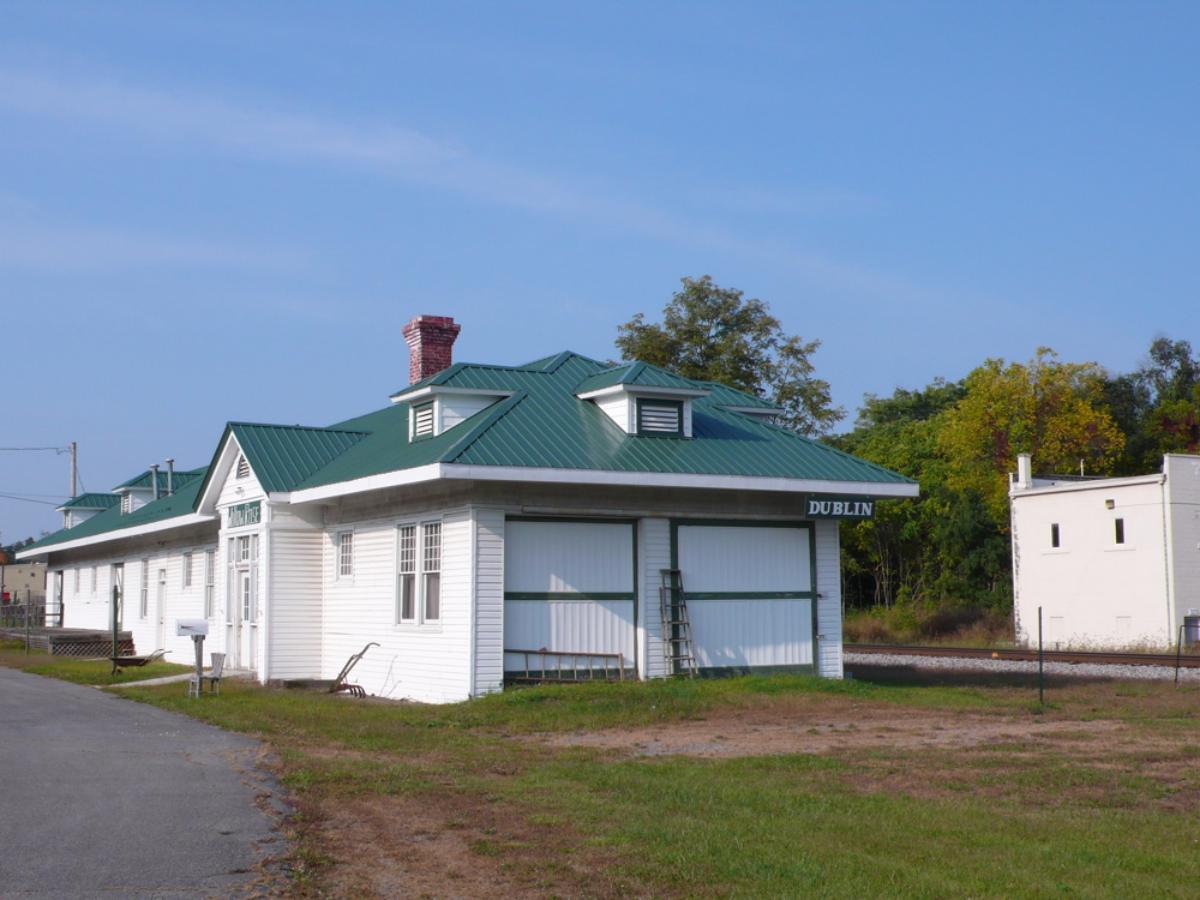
[(654, 555), (565, 556), (721, 559), (489, 600), (829, 599), (294, 624), (418, 662), (619, 408), (457, 407), (1183, 492)]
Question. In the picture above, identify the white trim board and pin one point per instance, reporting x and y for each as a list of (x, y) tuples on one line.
[(456, 471), (106, 536)]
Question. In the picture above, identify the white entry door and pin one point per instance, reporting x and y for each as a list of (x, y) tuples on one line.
[(569, 587), (750, 593), (160, 611), (244, 582)]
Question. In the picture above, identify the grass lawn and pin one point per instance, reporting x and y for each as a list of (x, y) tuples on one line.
[(80, 671), (756, 786)]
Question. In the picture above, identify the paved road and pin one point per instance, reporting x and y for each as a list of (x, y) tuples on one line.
[(101, 796)]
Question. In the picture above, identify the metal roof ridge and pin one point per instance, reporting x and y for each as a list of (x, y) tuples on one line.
[(295, 427)]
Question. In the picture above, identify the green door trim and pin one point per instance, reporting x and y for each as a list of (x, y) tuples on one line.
[(585, 596), (811, 594)]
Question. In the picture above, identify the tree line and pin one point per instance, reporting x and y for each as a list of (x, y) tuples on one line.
[(958, 438)]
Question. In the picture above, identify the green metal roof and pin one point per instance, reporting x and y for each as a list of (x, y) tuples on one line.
[(92, 501), (180, 503), (543, 424), (637, 374), (282, 456)]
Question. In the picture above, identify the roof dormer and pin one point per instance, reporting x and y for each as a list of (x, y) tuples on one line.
[(436, 408), (643, 399)]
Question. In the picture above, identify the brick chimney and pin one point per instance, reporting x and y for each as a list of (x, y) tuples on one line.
[(430, 341)]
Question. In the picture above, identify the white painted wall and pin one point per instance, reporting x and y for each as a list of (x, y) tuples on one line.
[(455, 408), (1092, 591), (1183, 497), (428, 662), (489, 600), (829, 598), (654, 555)]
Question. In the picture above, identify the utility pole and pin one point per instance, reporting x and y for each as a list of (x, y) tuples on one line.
[(74, 469)]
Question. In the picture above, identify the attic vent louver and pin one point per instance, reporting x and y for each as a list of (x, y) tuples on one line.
[(660, 417), (423, 420), (243, 467), (126, 504)]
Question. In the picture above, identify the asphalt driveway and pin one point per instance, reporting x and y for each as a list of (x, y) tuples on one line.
[(104, 796)]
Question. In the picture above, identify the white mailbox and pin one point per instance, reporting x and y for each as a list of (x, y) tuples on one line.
[(191, 627)]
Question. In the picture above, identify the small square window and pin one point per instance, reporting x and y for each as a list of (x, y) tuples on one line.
[(1119, 530), (1054, 535)]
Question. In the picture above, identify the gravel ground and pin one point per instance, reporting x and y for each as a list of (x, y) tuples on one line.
[(1077, 670)]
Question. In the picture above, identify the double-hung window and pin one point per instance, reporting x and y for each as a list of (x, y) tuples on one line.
[(431, 570), (210, 582), (419, 573), (406, 574), (345, 557)]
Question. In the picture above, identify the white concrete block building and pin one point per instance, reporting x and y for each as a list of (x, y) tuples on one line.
[(487, 510), (1112, 562)]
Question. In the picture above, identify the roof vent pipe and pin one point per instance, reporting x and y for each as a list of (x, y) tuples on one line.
[(170, 476), (154, 479)]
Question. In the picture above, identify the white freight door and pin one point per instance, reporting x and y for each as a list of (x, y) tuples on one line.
[(750, 594), (568, 587)]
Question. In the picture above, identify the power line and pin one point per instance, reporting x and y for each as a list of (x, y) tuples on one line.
[(30, 500), (33, 449)]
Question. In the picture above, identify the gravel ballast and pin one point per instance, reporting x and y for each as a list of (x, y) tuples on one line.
[(969, 664)]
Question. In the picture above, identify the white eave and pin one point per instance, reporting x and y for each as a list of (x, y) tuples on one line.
[(457, 471), (120, 533), (433, 390), (639, 390)]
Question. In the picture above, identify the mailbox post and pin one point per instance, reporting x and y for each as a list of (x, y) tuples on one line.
[(197, 628)]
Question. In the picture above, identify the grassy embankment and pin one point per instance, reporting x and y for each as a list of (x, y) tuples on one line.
[(890, 788)]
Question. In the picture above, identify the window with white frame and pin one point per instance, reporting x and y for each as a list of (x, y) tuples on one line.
[(144, 596), (243, 548), (406, 574), (187, 570), (345, 554), (93, 580), (431, 570), (210, 582)]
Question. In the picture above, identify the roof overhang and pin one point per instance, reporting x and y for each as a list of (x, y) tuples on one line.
[(118, 534), (461, 472), (1072, 487), (432, 390), (641, 390)]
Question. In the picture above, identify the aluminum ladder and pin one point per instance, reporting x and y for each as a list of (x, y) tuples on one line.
[(678, 646)]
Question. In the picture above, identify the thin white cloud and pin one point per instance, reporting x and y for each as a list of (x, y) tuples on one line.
[(67, 248), (259, 131)]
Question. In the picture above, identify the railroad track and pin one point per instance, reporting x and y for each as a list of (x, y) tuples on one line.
[(1187, 660)]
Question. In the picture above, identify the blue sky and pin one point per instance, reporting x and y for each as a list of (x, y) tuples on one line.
[(212, 213)]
